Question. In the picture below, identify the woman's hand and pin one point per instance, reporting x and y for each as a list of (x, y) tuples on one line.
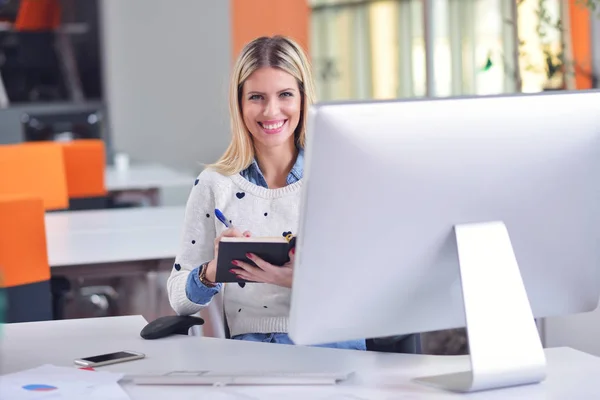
[(211, 268), (265, 272)]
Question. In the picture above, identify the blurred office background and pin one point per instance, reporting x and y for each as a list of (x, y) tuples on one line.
[(150, 77), (166, 64), (156, 72)]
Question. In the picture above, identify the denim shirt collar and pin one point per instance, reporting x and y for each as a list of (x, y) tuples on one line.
[(297, 170), (255, 175)]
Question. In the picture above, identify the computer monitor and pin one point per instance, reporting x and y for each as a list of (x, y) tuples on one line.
[(408, 205), (62, 127)]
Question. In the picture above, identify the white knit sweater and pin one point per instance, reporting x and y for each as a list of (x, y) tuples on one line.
[(256, 307)]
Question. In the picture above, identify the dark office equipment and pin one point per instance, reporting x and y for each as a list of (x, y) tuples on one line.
[(30, 67), (59, 288), (50, 59), (62, 127)]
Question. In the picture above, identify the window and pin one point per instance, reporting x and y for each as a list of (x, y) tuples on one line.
[(541, 45), (376, 49)]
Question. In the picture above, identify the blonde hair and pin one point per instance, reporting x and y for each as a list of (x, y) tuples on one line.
[(275, 52)]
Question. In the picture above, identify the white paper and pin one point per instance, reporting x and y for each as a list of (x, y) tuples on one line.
[(58, 383)]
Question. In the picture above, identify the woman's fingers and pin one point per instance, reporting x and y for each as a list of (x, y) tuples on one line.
[(229, 232), (246, 267), (246, 276), (263, 271), (262, 264), (232, 232)]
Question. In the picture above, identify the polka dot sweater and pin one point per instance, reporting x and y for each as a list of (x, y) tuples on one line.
[(249, 308)]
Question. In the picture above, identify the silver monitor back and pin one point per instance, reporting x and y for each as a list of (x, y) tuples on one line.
[(386, 182)]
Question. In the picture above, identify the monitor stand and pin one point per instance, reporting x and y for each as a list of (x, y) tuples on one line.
[(504, 343)]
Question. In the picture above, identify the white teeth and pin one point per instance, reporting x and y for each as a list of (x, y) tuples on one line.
[(274, 126)]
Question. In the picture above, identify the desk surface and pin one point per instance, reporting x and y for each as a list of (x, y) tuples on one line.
[(571, 375), (114, 235), (144, 177), (117, 219)]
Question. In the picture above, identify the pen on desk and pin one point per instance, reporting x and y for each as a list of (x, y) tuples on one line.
[(222, 218)]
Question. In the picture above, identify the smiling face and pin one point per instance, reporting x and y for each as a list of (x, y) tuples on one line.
[(271, 106)]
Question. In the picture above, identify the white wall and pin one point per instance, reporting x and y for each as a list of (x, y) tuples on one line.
[(166, 65)]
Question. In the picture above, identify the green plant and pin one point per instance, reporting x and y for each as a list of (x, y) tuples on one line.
[(555, 63), (593, 5)]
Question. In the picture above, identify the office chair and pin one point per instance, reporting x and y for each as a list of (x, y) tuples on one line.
[(43, 163), (213, 317), (25, 273), (37, 170), (84, 168), (405, 344)]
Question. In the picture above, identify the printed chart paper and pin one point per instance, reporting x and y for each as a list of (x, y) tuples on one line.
[(61, 383)]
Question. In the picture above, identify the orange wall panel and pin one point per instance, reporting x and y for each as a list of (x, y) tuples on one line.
[(581, 42), (254, 18)]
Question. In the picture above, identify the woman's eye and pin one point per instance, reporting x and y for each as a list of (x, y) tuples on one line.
[(255, 97), (286, 94)]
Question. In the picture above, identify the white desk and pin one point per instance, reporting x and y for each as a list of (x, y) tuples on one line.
[(69, 222), (144, 177), (119, 242), (113, 236), (116, 243), (145, 180), (572, 374)]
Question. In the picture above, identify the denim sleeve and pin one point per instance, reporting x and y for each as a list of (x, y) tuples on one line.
[(197, 292)]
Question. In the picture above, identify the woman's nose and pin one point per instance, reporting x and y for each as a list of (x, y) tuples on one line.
[(271, 108)]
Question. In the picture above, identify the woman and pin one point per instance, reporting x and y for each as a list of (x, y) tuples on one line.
[(256, 184)]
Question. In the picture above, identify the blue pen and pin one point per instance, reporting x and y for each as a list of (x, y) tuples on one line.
[(222, 218)]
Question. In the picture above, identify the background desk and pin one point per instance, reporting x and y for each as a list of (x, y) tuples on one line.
[(77, 238), (116, 243), (130, 242), (572, 374), (144, 181)]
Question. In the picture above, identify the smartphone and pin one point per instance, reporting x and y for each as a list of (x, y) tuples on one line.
[(109, 358)]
